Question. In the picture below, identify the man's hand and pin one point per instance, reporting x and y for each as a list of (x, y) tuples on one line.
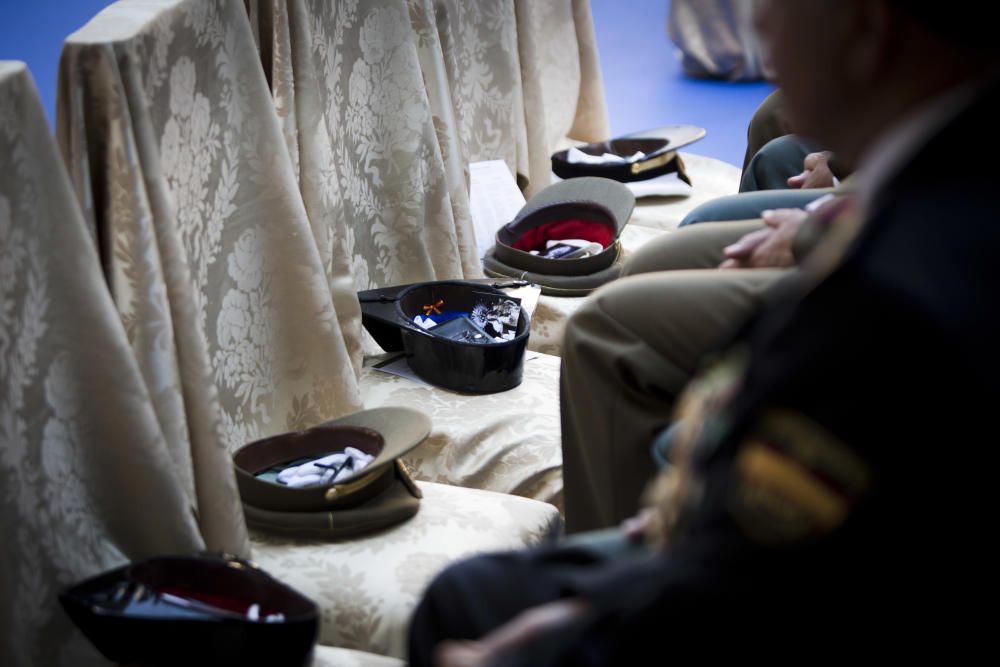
[(769, 247), (635, 527), (522, 629), (815, 172)]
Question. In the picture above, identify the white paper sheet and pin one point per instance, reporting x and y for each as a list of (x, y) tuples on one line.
[(494, 199)]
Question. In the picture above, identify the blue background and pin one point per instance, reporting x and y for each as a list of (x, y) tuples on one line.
[(642, 79)]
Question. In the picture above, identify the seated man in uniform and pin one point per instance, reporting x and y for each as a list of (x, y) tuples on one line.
[(780, 170), (633, 345), (827, 485), (776, 158)]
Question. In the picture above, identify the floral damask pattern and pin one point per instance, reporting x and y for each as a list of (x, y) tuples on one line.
[(492, 76), (328, 656), (410, 92), (479, 40), (72, 404), (23, 323), (392, 173), (367, 588), (507, 442), (523, 75), (188, 150), (389, 206), (243, 362), (75, 527), (226, 214)]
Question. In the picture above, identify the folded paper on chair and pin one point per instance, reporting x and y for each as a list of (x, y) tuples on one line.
[(337, 480), (194, 610)]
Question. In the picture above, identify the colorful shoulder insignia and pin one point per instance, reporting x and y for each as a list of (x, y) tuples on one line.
[(794, 480)]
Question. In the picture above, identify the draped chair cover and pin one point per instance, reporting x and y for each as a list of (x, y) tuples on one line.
[(87, 477), (367, 588), (521, 77), (348, 88), (190, 190), (563, 86), (717, 39), (384, 103), (165, 119), (510, 442)]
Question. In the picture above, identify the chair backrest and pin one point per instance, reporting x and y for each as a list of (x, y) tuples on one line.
[(87, 478), (384, 104), (561, 76), (166, 121), (352, 97), (717, 39)]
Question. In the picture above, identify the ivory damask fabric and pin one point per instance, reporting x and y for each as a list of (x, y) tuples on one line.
[(563, 87), (349, 91), (367, 588), (168, 126), (327, 656), (522, 75), (384, 103), (86, 475), (479, 58), (508, 442)]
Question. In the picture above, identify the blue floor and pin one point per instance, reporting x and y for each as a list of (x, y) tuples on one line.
[(645, 87), (642, 78)]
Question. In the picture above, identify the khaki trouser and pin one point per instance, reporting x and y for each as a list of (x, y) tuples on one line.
[(628, 353)]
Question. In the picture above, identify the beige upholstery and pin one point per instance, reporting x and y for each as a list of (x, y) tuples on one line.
[(367, 588), (327, 656), (507, 442), (88, 479)]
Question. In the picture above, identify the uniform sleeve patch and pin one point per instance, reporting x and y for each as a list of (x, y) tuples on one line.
[(794, 480)]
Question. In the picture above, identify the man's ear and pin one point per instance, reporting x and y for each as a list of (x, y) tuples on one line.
[(869, 30)]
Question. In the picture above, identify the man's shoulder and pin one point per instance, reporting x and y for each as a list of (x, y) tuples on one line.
[(962, 152), (936, 224)]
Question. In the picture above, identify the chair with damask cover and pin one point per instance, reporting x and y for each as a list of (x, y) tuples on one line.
[(89, 479), (176, 153)]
